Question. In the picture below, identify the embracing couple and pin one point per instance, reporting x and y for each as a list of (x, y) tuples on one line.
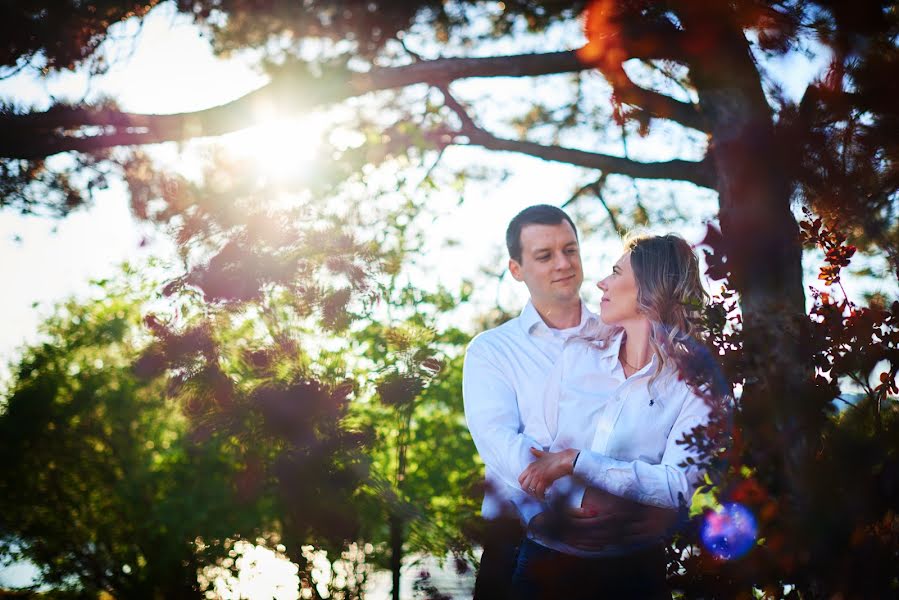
[(577, 416)]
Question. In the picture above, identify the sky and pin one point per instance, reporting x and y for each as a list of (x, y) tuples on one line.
[(171, 69)]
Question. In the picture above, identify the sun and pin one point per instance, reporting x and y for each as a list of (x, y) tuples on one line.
[(279, 147)]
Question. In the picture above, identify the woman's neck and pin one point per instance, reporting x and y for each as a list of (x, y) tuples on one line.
[(635, 349)]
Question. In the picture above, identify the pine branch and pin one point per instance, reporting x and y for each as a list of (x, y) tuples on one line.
[(699, 173), (62, 129)]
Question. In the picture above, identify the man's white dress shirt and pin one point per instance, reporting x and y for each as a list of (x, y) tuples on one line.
[(503, 386), (626, 429)]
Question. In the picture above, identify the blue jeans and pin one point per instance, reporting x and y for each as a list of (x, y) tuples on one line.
[(542, 573)]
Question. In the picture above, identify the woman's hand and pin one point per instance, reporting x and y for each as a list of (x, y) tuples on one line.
[(548, 467)]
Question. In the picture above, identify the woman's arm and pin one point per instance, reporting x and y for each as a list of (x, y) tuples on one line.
[(665, 484), (604, 519), (549, 466), (662, 485)]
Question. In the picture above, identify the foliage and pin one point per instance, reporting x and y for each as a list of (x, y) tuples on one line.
[(287, 363), (216, 462), (102, 488), (408, 369), (273, 356), (277, 283), (430, 488), (826, 508)]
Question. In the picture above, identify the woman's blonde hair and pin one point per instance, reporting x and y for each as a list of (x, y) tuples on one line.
[(669, 294)]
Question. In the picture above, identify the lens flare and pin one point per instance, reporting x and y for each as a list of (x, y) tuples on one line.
[(730, 532)]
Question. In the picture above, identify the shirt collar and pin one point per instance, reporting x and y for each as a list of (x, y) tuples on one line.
[(613, 347), (530, 318)]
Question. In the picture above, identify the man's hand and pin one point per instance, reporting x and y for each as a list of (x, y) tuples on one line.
[(548, 467), (605, 519)]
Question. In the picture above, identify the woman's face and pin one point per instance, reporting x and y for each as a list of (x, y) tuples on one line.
[(619, 294)]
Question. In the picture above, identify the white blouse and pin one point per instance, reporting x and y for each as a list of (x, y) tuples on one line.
[(627, 431)]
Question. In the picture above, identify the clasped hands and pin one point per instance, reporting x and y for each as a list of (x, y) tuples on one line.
[(603, 519)]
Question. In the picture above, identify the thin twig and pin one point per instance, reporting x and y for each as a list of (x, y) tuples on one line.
[(580, 191), (612, 219), (431, 168), (415, 55), (457, 107), (667, 74), (596, 187), (18, 68)]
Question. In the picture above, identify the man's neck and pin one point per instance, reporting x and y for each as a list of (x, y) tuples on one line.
[(562, 316)]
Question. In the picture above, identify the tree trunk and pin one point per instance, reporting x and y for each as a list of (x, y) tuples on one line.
[(760, 238), (396, 552)]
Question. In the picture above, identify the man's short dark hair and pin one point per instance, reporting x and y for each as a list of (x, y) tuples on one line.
[(539, 214)]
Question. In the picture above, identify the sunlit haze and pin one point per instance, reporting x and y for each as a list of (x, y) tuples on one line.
[(171, 68), (279, 146)]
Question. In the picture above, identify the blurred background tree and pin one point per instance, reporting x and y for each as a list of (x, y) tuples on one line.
[(102, 487), (425, 466), (279, 276)]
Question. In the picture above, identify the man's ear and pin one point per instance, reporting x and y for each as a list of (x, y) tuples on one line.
[(515, 269)]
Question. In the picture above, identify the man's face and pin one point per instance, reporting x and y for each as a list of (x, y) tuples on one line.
[(550, 263)]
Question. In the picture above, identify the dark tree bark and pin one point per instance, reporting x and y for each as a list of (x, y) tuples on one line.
[(396, 553), (753, 189), (760, 240)]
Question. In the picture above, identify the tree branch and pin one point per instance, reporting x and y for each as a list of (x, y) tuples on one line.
[(654, 103), (596, 187), (593, 186), (468, 124), (62, 129), (612, 219), (699, 173)]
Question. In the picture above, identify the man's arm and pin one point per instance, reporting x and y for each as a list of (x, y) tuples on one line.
[(491, 412), (609, 520), (665, 485), (634, 502), (600, 518)]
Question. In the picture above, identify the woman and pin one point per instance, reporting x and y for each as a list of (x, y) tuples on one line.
[(617, 406)]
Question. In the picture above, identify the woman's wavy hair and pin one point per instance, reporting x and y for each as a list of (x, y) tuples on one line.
[(670, 294)]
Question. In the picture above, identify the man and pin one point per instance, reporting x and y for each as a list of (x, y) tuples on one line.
[(505, 372)]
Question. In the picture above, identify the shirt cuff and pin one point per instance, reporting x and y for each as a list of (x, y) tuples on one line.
[(567, 489), (590, 468), (528, 508), (576, 495)]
